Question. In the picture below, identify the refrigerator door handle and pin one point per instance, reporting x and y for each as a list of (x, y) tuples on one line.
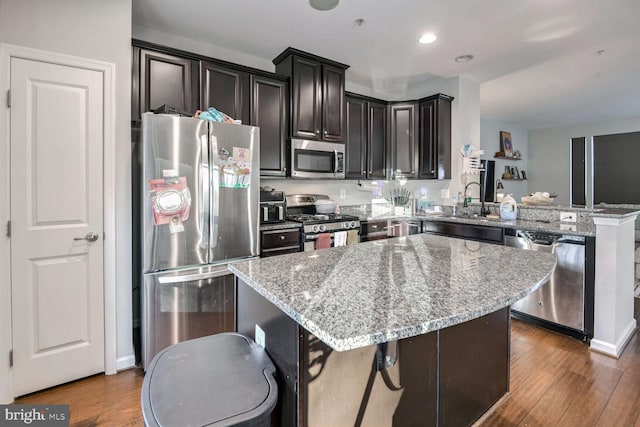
[(204, 182), (192, 277), (214, 207)]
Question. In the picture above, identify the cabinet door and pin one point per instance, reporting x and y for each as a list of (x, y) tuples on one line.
[(269, 99), (166, 79), (403, 140), (306, 99), (428, 152), (333, 104), (377, 140), (435, 138), (222, 88), (356, 141)]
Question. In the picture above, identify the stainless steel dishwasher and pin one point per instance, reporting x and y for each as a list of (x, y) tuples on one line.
[(561, 300)]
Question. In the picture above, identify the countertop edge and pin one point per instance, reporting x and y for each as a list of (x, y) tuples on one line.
[(345, 344)]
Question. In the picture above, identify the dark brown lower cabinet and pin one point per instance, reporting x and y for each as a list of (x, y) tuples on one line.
[(448, 377), (279, 242)]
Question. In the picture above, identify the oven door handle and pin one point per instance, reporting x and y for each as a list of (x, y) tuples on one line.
[(308, 238)]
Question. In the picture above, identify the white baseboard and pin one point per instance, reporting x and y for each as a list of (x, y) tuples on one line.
[(614, 350), (125, 362)]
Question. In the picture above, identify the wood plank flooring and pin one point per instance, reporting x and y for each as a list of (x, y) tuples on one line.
[(555, 381)]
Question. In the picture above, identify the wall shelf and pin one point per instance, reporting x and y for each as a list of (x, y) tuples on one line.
[(507, 158)]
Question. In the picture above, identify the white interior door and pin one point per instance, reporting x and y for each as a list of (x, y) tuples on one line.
[(56, 202)]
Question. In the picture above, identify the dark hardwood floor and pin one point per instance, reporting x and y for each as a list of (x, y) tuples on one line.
[(555, 381)]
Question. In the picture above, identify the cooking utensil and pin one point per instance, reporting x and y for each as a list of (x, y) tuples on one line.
[(399, 196), (325, 206)]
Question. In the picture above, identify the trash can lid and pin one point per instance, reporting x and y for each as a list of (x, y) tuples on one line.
[(223, 379)]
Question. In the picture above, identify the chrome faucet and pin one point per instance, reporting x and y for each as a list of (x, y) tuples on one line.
[(483, 211)]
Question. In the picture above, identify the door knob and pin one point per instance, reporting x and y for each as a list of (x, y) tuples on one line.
[(90, 237)]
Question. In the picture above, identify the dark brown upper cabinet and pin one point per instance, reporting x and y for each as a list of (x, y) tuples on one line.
[(377, 144), (269, 111), (356, 141), (223, 89), (404, 140), (160, 78), (435, 137), (366, 127), (317, 102), (188, 82)]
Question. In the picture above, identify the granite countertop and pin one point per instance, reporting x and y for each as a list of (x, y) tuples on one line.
[(384, 290), (280, 225), (532, 218), (578, 229)]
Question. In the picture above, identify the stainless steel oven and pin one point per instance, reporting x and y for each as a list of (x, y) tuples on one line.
[(315, 159), (321, 230)]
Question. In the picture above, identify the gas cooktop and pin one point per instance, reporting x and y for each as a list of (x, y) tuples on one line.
[(321, 218)]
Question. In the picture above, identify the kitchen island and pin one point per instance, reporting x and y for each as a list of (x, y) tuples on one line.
[(406, 331)]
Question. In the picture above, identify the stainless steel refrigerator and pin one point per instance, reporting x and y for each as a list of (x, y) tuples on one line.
[(200, 211)]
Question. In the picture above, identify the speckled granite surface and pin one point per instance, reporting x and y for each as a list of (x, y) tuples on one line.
[(280, 225), (578, 229), (532, 218), (374, 292)]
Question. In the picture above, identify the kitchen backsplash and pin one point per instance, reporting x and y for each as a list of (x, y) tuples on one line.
[(353, 192)]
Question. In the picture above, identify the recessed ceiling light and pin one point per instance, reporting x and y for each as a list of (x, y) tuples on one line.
[(323, 4), (427, 38), (464, 58)]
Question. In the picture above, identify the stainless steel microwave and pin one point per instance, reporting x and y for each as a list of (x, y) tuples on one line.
[(316, 159)]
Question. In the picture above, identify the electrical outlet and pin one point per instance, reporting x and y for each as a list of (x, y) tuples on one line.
[(444, 193), (343, 193), (260, 337), (568, 216)]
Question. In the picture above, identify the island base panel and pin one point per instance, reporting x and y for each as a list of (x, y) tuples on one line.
[(320, 386), (474, 367)]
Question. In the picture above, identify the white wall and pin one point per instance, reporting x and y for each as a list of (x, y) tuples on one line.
[(490, 137), (549, 155), (203, 48), (99, 30)]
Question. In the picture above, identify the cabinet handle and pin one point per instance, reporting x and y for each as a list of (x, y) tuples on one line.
[(433, 171), (281, 237), (369, 171), (413, 172)]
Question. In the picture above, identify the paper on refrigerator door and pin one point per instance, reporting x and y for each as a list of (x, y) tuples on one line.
[(170, 201), (235, 169)]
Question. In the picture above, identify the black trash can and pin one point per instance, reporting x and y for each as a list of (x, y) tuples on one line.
[(219, 380)]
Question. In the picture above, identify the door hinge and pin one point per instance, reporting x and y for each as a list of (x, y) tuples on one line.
[(8, 228), (11, 358), (8, 99)]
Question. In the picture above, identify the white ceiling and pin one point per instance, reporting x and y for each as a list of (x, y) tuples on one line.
[(536, 60)]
